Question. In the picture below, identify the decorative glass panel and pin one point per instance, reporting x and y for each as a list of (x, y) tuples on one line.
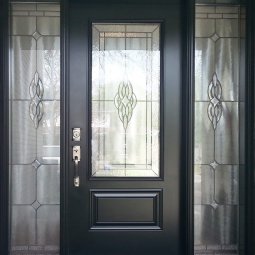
[(219, 128), (34, 128), (125, 99)]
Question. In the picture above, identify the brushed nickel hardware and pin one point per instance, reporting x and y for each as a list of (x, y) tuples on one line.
[(76, 134), (76, 159)]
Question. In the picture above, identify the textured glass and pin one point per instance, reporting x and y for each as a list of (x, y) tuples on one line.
[(205, 48), (226, 184), (227, 66), (34, 129), (125, 99), (23, 219), (203, 184), (217, 133), (23, 25), (48, 184), (48, 227), (23, 184), (48, 25), (24, 47)]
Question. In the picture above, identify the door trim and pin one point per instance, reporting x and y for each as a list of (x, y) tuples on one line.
[(188, 85), (249, 130), (4, 133), (64, 126)]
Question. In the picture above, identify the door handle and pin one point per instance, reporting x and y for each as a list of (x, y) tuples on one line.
[(76, 160)]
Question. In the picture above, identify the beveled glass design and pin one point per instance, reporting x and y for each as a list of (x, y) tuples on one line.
[(36, 104), (218, 121), (125, 100), (34, 128)]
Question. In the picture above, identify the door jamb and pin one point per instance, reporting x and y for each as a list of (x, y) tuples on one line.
[(249, 131), (64, 127), (4, 129), (188, 61)]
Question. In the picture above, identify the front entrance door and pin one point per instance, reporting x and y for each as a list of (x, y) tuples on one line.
[(125, 100)]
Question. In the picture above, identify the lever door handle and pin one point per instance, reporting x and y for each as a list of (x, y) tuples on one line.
[(76, 159)]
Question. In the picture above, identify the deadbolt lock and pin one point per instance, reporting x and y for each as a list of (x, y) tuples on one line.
[(76, 134)]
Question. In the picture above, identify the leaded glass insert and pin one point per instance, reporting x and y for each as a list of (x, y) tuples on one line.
[(219, 129), (34, 119), (125, 99)]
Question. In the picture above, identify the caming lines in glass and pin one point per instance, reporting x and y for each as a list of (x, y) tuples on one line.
[(125, 102), (219, 129), (36, 105), (34, 137), (125, 99)]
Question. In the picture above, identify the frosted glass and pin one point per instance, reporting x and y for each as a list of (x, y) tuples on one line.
[(218, 135), (34, 129)]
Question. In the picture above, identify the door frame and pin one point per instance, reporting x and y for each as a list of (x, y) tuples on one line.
[(4, 173), (187, 129)]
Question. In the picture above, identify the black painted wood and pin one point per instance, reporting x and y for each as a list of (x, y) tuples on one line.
[(4, 127), (188, 99), (126, 209), (64, 127), (249, 238), (82, 239)]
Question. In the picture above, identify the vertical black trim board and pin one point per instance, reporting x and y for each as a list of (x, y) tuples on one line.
[(249, 131), (188, 7), (4, 178), (64, 127)]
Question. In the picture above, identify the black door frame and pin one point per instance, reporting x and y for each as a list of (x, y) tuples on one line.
[(249, 130), (187, 131)]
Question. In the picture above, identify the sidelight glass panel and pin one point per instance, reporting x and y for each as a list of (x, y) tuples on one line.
[(34, 103), (125, 99), (219, 128)]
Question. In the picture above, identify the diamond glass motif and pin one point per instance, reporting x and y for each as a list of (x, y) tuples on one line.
[(36, 205), (215, 37), (214, 205), (214, 164), (36, 164), (36, 35)]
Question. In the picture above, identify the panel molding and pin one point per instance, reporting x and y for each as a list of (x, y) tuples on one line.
[(111, 194)]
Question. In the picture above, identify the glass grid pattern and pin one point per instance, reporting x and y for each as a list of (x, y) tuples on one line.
[(218, 114), (34, 128), (125, 99)]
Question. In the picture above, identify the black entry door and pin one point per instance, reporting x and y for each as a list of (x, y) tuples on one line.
[(125, 99)]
